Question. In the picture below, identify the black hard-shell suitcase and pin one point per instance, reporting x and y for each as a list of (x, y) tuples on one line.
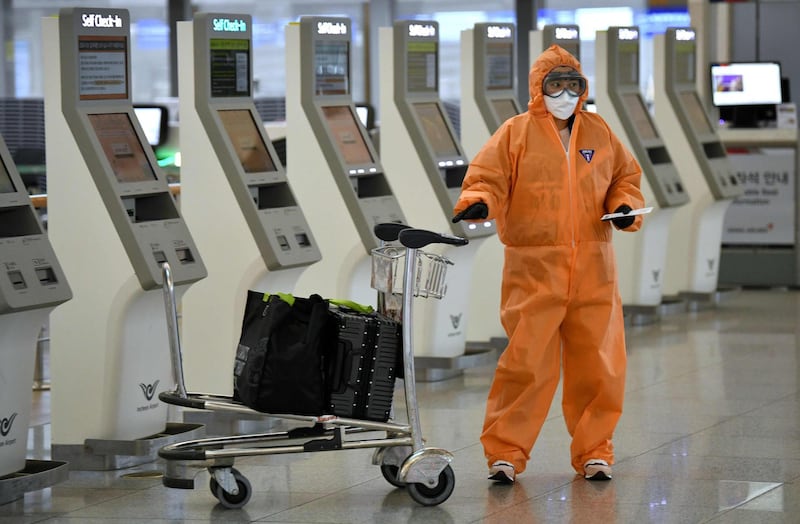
[(368, 354)]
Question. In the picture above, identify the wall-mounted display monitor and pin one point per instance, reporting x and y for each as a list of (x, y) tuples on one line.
[(230, 67), (422, 67), (243, 133), (499, 65), (697, 115), (436, 130), (154, 121), (332, 67), (745, 84), (6, 185), (639, 115), (344, 128), (504, 108), (102, 67), (121, 147)]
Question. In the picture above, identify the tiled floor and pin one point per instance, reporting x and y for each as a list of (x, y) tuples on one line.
[(710, 433)]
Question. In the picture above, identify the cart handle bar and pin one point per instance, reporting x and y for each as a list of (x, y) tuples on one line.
[(388, 231), (419, 238)]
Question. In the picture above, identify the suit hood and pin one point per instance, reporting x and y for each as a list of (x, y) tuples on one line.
[(554, 56)]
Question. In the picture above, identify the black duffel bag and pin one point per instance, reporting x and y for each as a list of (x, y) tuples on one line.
[(282, 354)]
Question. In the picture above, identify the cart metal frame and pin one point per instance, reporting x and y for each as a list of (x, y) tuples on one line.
[(404, 459)]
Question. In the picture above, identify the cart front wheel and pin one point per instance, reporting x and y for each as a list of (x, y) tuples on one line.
[(390, 472), (432, 496), (228, 500)]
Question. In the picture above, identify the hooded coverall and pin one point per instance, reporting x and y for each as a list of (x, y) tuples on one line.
[(560, 303)]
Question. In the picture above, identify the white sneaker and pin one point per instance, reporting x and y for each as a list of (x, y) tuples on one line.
[(597, 469), (502, 471)]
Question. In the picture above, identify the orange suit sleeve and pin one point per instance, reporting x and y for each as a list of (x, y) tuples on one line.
[(625, 182), (488, 176)]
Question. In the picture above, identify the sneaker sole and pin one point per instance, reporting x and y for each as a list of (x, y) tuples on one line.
[(600, 475), (501, 478)]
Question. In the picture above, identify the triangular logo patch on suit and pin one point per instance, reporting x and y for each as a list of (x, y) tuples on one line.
[(587, 155)]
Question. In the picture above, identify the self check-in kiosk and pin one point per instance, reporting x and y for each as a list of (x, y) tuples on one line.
[(427, 165), (31, 285), (700, 157), (488, 82), (641, 257), (114, 223), (334, 168), (234, 194), (488, 98)]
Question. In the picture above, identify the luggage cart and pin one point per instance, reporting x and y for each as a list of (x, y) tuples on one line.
[(404, 459)]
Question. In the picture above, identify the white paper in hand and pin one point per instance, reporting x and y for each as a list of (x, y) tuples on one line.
[(632, 212)]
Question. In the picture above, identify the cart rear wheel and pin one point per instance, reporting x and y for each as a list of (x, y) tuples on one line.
[(390, 472), (432, 496), (228, 500)]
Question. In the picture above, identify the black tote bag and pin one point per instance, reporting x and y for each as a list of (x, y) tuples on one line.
[(281, 354)]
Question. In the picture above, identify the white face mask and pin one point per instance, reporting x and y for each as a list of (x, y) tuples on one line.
[(562, 106)]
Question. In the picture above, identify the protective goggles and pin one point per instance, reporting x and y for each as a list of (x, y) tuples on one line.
[(556, 83)]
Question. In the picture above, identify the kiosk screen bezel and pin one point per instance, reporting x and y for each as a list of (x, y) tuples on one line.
[(505, 108), (628, 64), (121, 127), (499, 65), (343, 127), (697, 115), (436, 130), (685, 63), (422, 66), (242, 130), (639, 116), (105, 79), (229, 67), (331, 67)]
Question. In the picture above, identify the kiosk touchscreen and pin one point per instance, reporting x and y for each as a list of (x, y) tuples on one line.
[(335, 169), (427, 165), (31, 285), (257, 237), (488, 99), (641, 257), (114, 223), (699, 155)]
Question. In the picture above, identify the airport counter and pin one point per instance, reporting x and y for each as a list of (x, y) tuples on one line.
[(760, 240)]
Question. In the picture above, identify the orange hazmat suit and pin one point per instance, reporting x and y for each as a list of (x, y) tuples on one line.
[(560, 304)]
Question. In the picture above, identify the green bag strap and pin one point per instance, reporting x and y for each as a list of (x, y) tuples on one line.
[(355, 306), (286, 297)]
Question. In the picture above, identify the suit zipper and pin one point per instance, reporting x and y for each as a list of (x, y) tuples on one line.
[(569, 182)]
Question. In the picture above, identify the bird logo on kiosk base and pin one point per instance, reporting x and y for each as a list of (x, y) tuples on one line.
[(5, 429), (455, 321), (149, 391), (98, 20)]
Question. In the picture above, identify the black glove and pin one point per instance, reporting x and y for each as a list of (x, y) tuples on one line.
[(474, 211), (623, 222)]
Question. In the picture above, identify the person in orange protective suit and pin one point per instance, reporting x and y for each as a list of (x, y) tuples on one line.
[(547, 176)]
